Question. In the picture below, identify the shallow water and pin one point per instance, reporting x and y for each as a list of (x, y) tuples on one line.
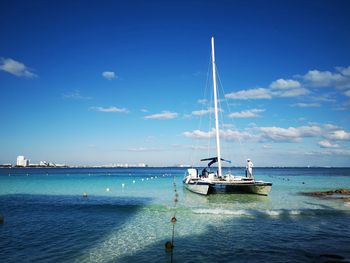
[(126, 217)]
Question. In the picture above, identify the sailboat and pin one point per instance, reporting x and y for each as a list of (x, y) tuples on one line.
[(209, 182)]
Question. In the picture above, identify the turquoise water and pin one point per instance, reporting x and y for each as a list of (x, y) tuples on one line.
[(126, 217)]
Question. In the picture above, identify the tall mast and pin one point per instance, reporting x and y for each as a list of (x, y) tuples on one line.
[(216, 108)]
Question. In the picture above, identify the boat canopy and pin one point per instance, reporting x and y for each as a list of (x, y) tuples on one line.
[(214, 160)]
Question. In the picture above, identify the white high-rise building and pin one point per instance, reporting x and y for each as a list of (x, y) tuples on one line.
[(21, 161)]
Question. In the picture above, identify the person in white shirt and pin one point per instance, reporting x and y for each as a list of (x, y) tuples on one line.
[(249, 169)]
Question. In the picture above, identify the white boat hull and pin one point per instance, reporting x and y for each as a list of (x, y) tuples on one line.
[(259, 188), (197, 187), (240, 185)]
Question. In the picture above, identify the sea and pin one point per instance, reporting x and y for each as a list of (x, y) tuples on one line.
[(129, 214)]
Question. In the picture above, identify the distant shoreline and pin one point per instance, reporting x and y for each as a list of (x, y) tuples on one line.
[(154, 167)]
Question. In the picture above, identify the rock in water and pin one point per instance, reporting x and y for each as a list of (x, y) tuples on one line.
[(331, 192)]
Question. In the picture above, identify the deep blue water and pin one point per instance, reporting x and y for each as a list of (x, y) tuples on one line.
[(126, 217)]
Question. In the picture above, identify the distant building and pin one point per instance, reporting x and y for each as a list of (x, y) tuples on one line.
[(21, 161)]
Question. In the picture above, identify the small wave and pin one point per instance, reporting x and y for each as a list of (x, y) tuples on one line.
[(272, 212), (295, 212), (241, 212), (246, 212), (280, 212)]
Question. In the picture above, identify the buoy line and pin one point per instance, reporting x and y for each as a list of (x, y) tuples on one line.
[(134, 181), (169, 245)]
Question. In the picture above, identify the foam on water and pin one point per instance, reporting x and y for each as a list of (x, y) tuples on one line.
[(246, 212), (240, 212)]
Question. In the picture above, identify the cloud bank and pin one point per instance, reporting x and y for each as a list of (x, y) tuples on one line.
[(302, 85), (327, 133)]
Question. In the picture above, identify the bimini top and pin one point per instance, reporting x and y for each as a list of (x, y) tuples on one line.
[(214, 160)]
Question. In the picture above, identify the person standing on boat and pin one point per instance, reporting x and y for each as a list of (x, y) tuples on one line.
[(249, 169)]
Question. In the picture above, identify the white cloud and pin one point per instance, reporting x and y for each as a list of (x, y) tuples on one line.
[(306, 105), (200, 134), (344, 71), (290, 134), (236, 135), (15, 68), (144, 149), (202, 101), (337, 152), (204, 112), (338, 135), (164, 115), (340, 79), (324, 133), (224, 134), (278, 88), (110, 109), (258, 93), (291, 92), (109, 75), (75, 95), (267, 146), (246, 113), (284, 88), (327, 144), (295, 134), (285, 84)]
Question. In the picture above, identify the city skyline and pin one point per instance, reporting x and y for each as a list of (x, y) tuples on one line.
[(90, 83)]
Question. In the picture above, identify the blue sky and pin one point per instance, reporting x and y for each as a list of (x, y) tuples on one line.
[(102, 82)]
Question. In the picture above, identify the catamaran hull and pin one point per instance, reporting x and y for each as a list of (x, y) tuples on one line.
[(198, 187), (259, 189)]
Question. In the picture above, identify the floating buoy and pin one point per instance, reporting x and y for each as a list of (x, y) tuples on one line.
[(169, 245), (107, 189), (142, 179), (133, 181), (173, 220), (303, 182), (123, 185), (85, 195)]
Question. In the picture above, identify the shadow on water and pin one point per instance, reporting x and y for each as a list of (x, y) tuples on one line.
[(301, 238), (40, 228), (223, 199)]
